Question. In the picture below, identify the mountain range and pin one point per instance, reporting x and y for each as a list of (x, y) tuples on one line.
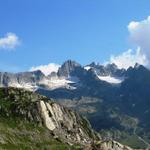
[(116, 101)]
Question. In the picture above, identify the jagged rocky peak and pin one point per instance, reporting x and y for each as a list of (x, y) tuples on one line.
[(138, 74), (31, 77), (53, 75), (38, 73), (93, 64), (27, 80), (33, 74), (106, 70), (101, 66), (5, 78), (138, 66), (67, 68), (113, 70), (112, 66), (22, 79)]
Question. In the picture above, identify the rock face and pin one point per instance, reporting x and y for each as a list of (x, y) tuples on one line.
[(67, 68), (109, 69), (66, 124), (28, 80), (112, 145)]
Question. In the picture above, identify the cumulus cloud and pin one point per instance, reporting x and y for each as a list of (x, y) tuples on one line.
[(9, 41), (139, 35), (129, 58), (46, 69)]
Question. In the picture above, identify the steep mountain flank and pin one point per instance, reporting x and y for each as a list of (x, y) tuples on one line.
[(31, 121), (61, 122)]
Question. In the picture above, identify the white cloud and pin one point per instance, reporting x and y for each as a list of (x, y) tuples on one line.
[(133, 25), (46, 69), (9, 41), (139, 35), (129, 58)]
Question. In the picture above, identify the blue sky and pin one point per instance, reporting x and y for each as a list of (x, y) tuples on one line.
[(57, 30)]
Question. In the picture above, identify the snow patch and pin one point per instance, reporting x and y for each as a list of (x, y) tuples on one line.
[(54, 83), (48, 82), (87, 68), (111, 79), (28, 86)]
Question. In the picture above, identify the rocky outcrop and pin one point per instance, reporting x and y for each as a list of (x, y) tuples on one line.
[(66, 124), (62, 122), (112, 145)]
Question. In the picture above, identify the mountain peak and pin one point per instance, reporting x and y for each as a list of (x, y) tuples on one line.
[(111, 66), (137, 65), (93, 64), (71, 63), (67, 67), (38, 72)]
